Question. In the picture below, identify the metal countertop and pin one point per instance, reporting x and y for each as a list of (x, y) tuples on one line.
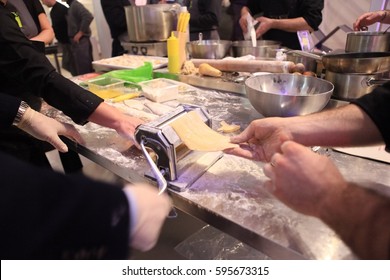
[(230, 196)]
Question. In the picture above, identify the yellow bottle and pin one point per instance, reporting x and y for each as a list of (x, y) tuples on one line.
[(173, 54)]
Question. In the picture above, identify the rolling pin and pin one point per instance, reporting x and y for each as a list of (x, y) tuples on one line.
[(233, 65)]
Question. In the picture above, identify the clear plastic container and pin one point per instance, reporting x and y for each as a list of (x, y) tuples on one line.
[(160, 90), (106, 87)]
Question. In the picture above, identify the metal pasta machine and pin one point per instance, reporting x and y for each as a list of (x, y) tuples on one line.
[(173, 164)]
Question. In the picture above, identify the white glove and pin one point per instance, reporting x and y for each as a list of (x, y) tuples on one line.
[(48, 129), (148, 211)]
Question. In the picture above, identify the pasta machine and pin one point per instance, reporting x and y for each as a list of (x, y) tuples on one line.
[(173, 164)]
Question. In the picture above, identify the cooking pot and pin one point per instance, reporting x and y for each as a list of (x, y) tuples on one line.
[(263, 48), (151, 22), (309, 62), (351, 86), (364, 41), (360, 63)]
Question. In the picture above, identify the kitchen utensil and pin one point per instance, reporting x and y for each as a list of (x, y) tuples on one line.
[(351, 86), (367, 62), (151, 22), (309, 63), (237, 65), (263, 48), (211, 49), (364, 41), (286, 95), (161, 182), (200, 38)]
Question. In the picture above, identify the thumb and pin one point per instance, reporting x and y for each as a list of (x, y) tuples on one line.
[(58, 144), (243, 136)]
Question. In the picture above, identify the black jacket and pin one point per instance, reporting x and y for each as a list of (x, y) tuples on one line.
[(47, 215)]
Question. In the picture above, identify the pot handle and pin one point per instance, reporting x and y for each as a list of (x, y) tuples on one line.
[(373, 81)]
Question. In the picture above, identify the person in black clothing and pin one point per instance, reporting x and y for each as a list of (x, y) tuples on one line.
[(205, 16), (311, 184), (58, 15), (46, 215), (33, 20), (280, 20), (114, 12), (27, 74)]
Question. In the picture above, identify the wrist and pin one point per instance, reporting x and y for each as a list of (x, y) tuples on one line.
[(384, 16), (23, 107)]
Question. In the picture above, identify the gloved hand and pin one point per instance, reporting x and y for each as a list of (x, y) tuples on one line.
[(148, 213), (48, 129)]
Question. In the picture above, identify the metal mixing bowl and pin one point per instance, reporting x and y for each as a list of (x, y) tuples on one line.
[(286, 95), (263, 49), (209, 49)]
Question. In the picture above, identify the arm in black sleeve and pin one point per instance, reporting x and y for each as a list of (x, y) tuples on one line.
[(312, 12), (31, 68), (47, 215), (8, 109), (376, 105)]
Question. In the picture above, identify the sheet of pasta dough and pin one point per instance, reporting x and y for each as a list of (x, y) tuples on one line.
[(198, 136)]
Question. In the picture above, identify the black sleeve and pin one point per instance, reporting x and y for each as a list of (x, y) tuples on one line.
[(31, 68), (8, 109), (377, 106), (47, 215), (312, 12)]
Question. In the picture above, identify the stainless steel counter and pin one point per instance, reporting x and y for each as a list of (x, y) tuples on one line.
[(230, 195)]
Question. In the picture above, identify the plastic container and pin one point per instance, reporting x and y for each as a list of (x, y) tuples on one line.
[(106, 87), (160, 90)]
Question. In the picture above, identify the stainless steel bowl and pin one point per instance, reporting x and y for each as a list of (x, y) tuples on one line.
[(286, 95), (264, 48), (209, 49)]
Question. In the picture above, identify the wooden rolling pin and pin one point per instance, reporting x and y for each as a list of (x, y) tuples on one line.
[(234, 65)]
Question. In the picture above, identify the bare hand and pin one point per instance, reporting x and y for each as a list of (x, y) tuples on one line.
[(367, 19), (260, 140), (302, 179), (265, 24)]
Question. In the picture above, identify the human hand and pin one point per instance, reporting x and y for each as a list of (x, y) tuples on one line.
[(48, 129), (260, 140), (265, 24), (77, 37), (302, 179), (150, 214), (243, 23), (367, 19), (127, 127)]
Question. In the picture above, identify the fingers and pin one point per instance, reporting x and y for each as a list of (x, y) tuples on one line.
[(71, 132), (243, 136), (58, 144), (245, 151)]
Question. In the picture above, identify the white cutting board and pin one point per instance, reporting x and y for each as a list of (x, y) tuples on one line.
[(371, 152)]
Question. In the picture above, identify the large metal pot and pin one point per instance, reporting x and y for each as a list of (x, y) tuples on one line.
[(364, 41), (264, 48), (150, 22), (286, 95), (352, 86), (358, 63)]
